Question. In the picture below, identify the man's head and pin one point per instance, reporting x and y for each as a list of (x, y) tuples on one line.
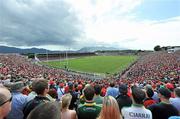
[(49, 110), (138, 95), (149, 92), (41, 87), (177, 91), (112, 84), (97, 89), (5, 102), (89, 93), (164, 93), (123, 89)]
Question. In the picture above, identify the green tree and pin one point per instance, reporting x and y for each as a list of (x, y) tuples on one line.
[(157, 48)]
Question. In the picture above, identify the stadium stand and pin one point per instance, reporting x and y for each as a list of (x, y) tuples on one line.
[(154, 71)]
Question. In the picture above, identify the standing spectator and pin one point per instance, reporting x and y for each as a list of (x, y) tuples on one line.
[(110, 109), (66, 113), (88, 110), (148, 100), (112, 91), (5, 102), (176, 101), (97, 98), (137, 110), (74, 94), (123, 99), (18, 101), (41, 89), (164, 109), (60, 90)]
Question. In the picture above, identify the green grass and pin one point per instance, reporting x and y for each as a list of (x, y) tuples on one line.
[(95, 64)]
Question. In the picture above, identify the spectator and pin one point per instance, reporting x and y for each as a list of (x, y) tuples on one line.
[(112, 91), (88, 110), (164, 109), (123, 99), (110, 109), (74, 94), (5, 102), (66, 113), (148, 100), (176, 101), (41, 89), (97, 98), (18, 101), (49, 110), (33, 94), (137, 110), (60, 91)]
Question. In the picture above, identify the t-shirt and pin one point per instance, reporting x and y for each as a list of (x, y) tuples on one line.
[(163, 111), (88, 110), (136, 112), (175, 102)]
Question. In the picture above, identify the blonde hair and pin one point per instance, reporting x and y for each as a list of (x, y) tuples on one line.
[(110, 109), (66, 100)]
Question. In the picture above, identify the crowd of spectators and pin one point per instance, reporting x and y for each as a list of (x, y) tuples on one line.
[(150, 87)]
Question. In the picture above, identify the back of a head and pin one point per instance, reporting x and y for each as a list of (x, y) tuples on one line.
[(49, 110), (165, 92), (112, 84), (138, 95), (123, 89), (89, 92), (40, 86), (177, 91), (110, 109), (97, 89), (149, 92), (66, 100)]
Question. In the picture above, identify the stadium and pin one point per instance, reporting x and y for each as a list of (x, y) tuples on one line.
[(90, 59)]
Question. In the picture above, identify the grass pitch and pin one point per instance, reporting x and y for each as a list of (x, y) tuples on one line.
[(95, 64)]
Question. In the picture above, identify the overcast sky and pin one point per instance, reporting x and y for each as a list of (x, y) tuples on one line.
[(73, 24)]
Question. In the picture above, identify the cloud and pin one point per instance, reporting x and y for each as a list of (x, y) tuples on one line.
[(38, 22), (63, 24)]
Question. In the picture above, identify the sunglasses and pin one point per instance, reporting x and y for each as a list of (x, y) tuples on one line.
[(9, 100)]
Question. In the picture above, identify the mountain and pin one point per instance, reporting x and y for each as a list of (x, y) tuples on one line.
[(6, 49), (93, 49)]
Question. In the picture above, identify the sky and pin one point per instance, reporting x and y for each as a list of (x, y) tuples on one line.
[(73, 24)]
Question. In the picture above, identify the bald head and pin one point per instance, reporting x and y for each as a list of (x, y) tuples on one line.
[(5, 104), (4, 94)]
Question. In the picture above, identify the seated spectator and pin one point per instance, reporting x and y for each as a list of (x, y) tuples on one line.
[(112, 91), (164, 109), (97, 98), (65, 112), (88, 110), (123, 99), (41, 89), (176, 101), (110, 109), (5, 102), (137, 110), (148, 100), (49, 110), (18, 101)]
